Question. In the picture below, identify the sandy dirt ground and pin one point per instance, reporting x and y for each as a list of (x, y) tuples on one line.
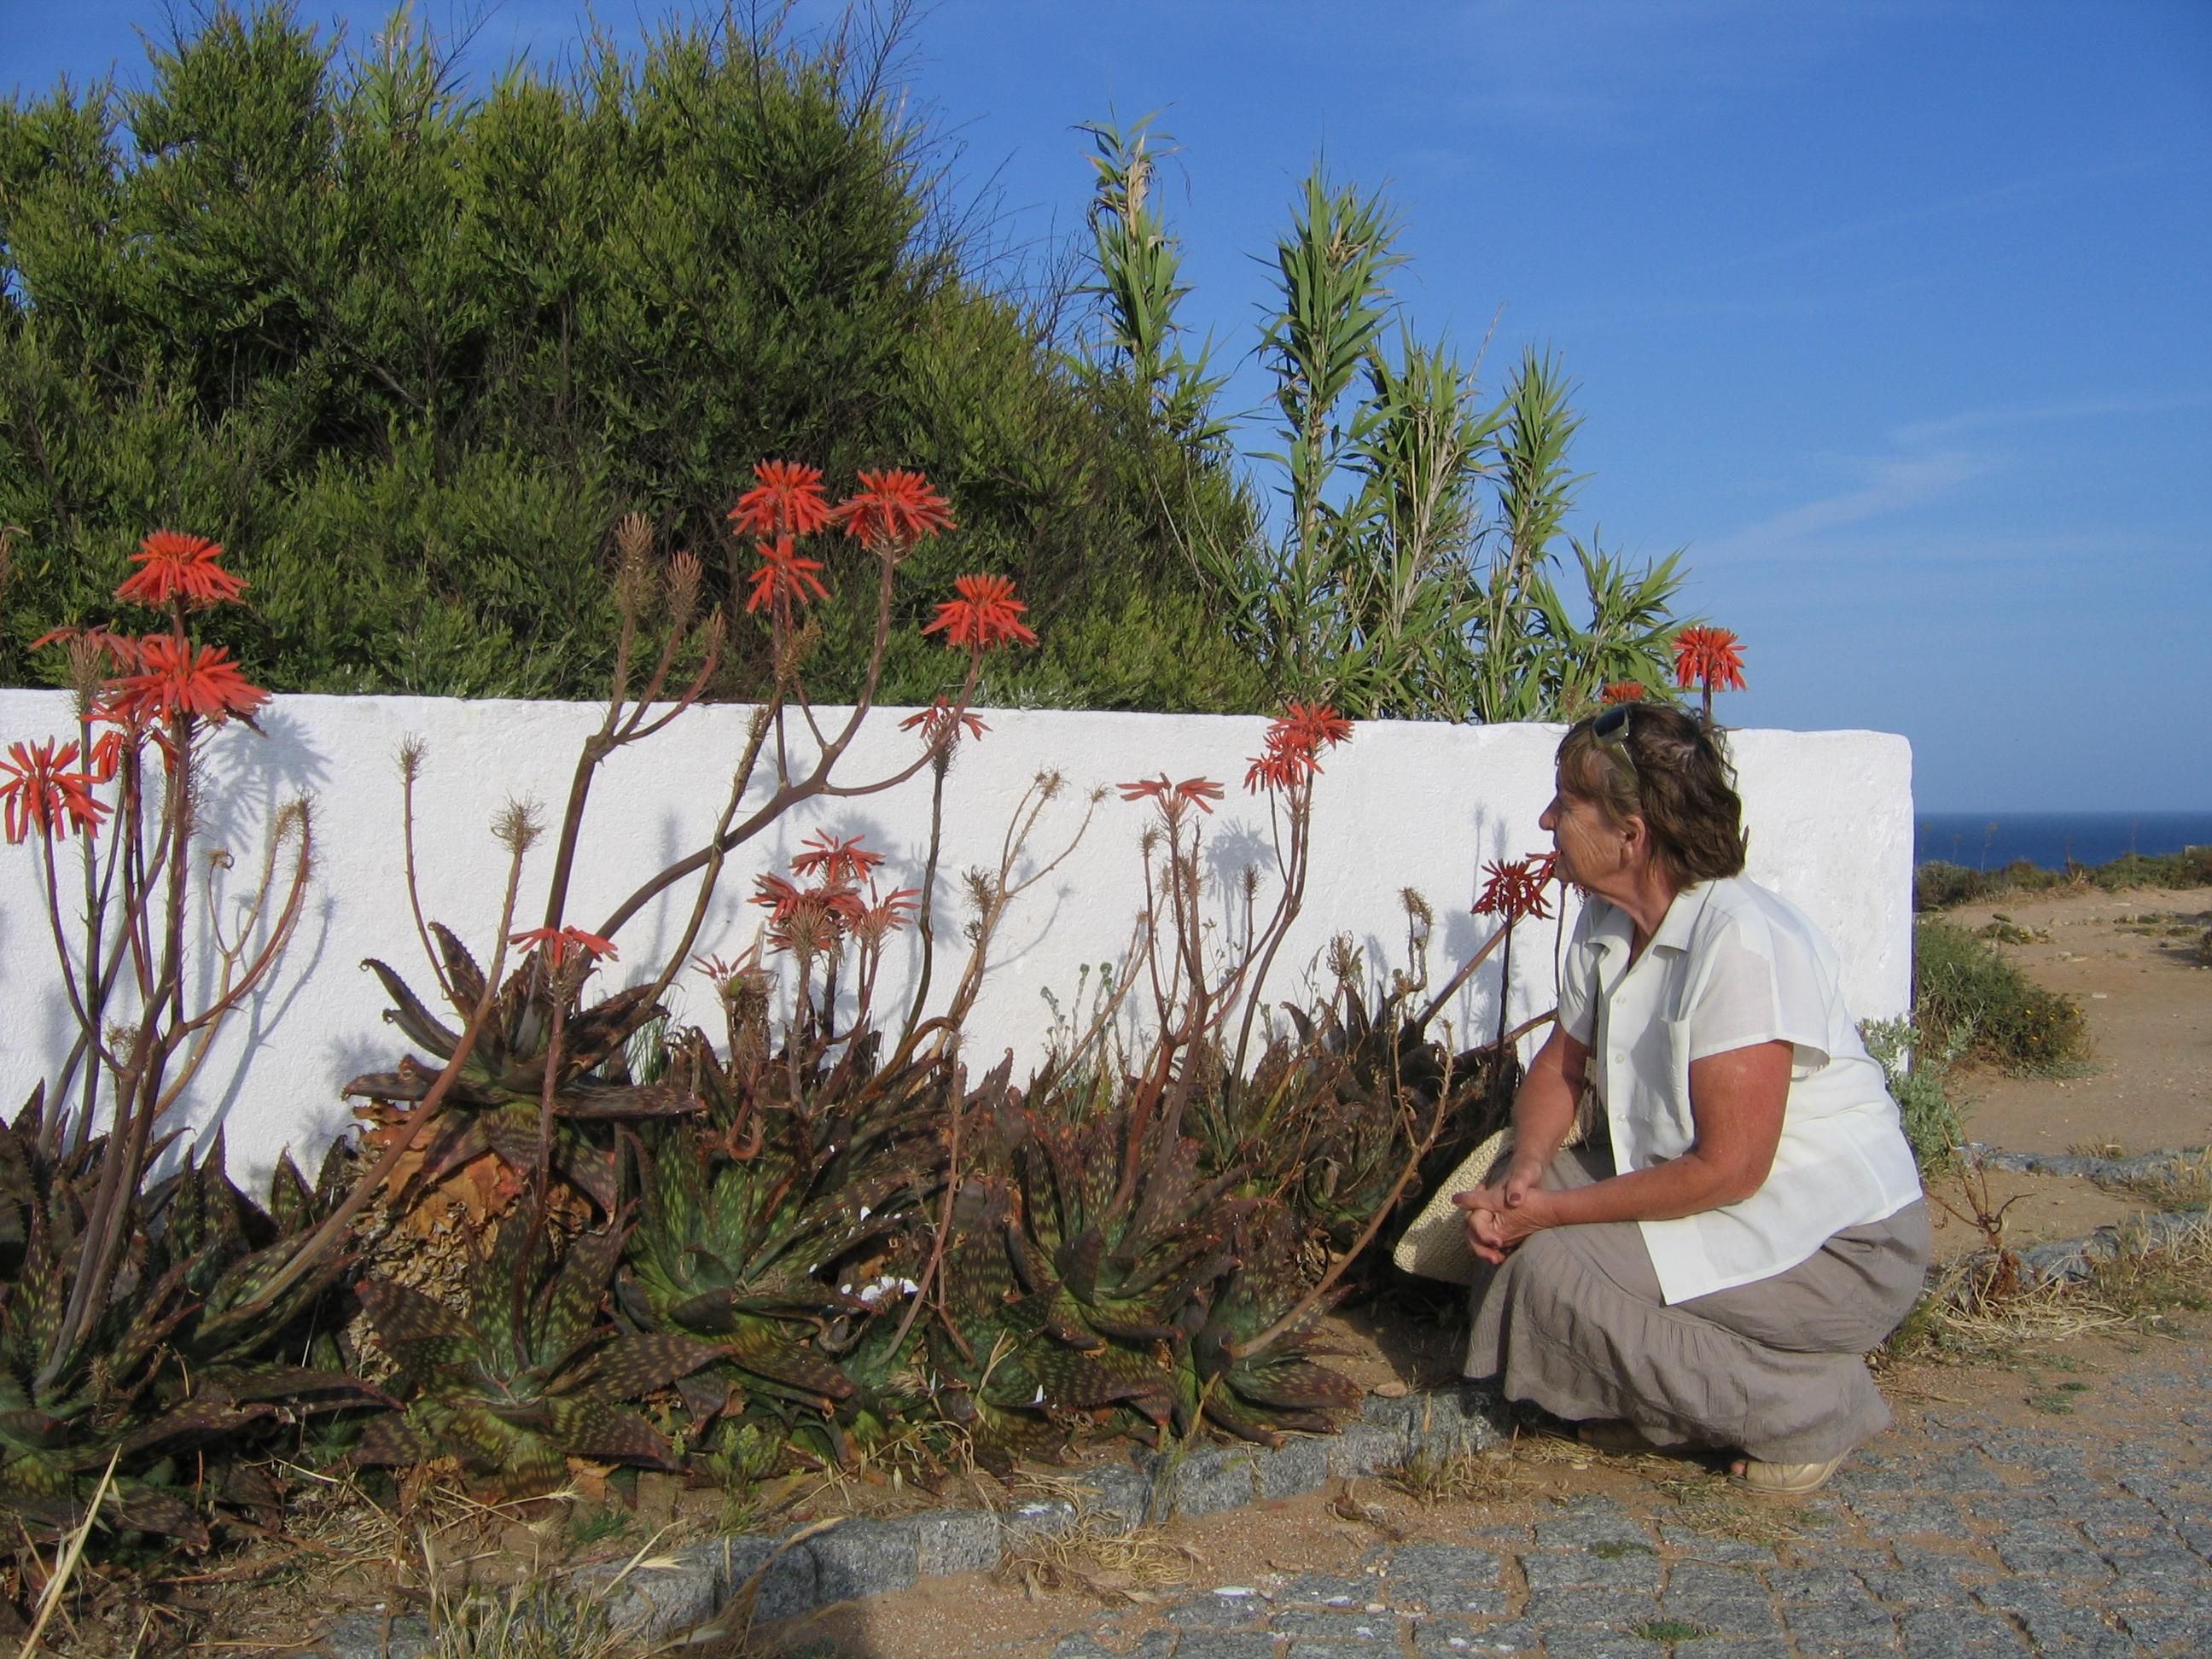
[(2129, 959), (2096, 1394)]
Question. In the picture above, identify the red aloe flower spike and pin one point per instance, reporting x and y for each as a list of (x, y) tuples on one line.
[(1514, 889), (1623, 691), (784, 575), (1712, 657), (787, 501), (895, 508), (836, 861), (985, 614), (560, 944), (1199, 792), (105, 758), (887, 915), (1313, 726), (942, 719), (815, 918), (1173, 797), (173, 678), (775, 896), (121, 650), (42, 793), (173, 564), (1293, 744)]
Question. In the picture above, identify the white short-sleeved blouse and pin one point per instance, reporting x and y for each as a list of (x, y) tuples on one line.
[(1733, 965)]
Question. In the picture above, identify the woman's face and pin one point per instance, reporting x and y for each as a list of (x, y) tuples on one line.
[(1593, 852)]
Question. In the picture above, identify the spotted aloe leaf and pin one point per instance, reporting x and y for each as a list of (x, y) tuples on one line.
[(532, 1373)]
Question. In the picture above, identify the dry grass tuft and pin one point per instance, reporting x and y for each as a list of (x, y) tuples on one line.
[(1973, 1323), (1095, 1554), (1465, 1477), (2143, 1283), (2185, 1183), (1708, 1503)]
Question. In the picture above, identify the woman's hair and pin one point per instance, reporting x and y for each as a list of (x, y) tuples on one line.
[(1675, 779)]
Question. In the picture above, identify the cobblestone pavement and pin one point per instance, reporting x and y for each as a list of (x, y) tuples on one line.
[(1964, 1536)]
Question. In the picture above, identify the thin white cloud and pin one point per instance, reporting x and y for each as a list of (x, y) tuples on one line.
[(1887, 485), (1920, 433)]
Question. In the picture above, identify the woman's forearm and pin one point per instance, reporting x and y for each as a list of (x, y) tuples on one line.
[(1681, 1185), (1544, 1109)]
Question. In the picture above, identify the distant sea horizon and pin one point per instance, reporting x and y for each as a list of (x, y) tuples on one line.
[(1990, 840)]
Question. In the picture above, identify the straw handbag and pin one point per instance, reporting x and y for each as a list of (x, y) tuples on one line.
[(1435, 1245)]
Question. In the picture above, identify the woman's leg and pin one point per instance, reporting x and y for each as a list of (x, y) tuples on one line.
[(1575, 1321)]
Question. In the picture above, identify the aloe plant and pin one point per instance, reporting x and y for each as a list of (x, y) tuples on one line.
[(1238, 1369), (169, 1367), (746, 1211), (531, 1374), (494, 1104)]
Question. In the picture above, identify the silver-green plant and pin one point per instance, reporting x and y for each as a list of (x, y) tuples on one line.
[(1140, 285)]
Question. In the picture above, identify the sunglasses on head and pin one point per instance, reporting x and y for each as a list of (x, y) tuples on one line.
[(1611, 728)]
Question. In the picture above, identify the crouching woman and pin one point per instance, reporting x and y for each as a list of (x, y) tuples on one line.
[(1744, 1219)]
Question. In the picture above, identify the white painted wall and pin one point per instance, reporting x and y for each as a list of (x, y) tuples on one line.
[(1402, 805)]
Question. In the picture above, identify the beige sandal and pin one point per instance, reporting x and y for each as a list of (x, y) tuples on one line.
[(1788, 1479)]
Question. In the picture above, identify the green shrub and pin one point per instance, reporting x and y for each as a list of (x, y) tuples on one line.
[(1938, 884), (1919, 1075), (1969, 999), (410, 356)]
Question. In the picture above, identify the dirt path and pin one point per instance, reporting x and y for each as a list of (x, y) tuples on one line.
[(2129, 959), (2054, 1502)]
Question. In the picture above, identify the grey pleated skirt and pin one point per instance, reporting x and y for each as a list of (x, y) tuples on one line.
[(1575, 1322)]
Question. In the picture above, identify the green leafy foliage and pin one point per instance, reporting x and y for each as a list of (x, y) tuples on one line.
[(1969, 997), (1919, 1082), (1938, 884), (410, 354)]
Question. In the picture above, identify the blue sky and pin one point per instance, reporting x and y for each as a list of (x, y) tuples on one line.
[(1896, 315)]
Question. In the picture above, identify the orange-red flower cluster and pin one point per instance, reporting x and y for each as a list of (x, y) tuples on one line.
[(1712, 657), (1174, 796), (786, 501), (558, 945), (943, 720), (891, 511), (173, 565), (170, 678), (784, 574), (1623, 691), (1516, 889), (42, 792), (1289, 753), (811, 919), (837, 862), (987, 614), (895, 508)]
